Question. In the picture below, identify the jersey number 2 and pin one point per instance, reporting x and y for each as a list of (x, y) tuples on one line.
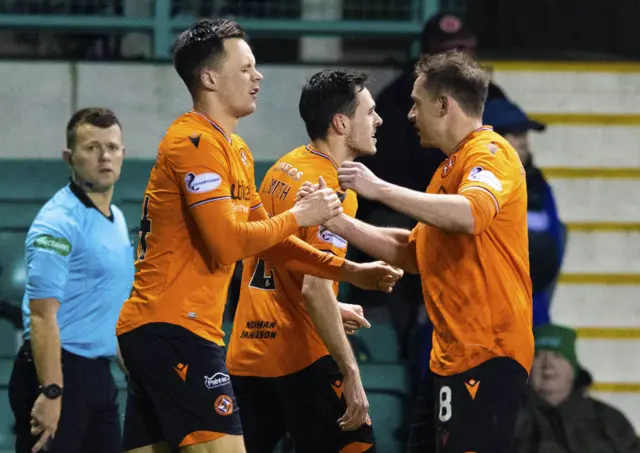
[(145, 229), (262, 278)]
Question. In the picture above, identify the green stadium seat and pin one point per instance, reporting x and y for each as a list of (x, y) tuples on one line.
[(387, 377), (122, 405), (382, 342), (132, 213), (6, 422), (118, 376), (8, 336), (16, 214), (12, 265), (386, 411), (6, 367), (227, 327)]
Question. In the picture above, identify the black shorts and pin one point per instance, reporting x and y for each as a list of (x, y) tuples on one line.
[(473, 411), (89, 419), (178, 385), (306, 404)]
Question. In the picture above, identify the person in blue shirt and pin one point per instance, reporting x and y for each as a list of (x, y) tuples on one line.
[(547, 233), (79, 273)]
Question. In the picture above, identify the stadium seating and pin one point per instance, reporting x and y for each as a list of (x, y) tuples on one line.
[(12, 264), (382, 341), (386, 410), (18, 214)]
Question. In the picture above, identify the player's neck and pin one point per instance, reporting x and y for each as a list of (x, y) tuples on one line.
[(338, 151), (457, 132), (216, 113)]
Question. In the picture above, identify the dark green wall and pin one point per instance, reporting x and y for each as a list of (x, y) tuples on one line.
[(30, 179)]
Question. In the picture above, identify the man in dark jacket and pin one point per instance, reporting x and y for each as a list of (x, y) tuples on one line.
[(546, 231), (557, 418)]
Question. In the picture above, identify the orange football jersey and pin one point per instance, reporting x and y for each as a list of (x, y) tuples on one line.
[(177, 281), (477, 288), (273, 334)]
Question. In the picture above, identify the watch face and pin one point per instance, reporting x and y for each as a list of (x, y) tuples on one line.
[(52, 391)]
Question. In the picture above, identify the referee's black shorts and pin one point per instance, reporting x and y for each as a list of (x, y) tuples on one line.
[(89, 421)]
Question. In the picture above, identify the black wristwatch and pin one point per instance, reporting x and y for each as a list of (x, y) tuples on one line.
[(51, 391)]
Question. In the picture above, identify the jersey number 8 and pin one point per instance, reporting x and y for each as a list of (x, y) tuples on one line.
[(262, 277), (444, 412)]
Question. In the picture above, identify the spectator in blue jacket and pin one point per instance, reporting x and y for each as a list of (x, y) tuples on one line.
[(546, 231)]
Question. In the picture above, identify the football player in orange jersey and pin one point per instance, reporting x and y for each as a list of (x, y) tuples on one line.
[(201, 213), (470, 247), (291, 365)]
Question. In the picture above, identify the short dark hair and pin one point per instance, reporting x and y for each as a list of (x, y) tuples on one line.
[(326, 94), (202, 44), (457, 75), (95, 116)]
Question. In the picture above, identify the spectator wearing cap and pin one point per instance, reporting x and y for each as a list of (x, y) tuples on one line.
[(546, 231), (558, 419)]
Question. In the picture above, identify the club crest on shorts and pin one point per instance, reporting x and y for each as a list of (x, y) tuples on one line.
[(224, 405)]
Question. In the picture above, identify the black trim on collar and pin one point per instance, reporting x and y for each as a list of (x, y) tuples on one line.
[(84, 198)]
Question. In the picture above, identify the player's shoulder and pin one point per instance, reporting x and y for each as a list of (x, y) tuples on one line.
[(187, 132), (238, 142), (490, 144), (313, 164)]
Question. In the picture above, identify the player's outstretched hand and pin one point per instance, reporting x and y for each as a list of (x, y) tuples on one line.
[(307, 188), (357, 177), (317, 207), (377, 275), (352, 318), (357, 404)]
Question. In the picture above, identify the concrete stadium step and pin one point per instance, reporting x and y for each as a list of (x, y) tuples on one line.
[(602, 252), (610, 360), (575, 91), (563, 145), (597, 200), (597, 305)]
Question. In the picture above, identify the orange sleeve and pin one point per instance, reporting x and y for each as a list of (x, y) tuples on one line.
[(327, 241), (489, 180), (203, 175), (414, 234), (298, 256)]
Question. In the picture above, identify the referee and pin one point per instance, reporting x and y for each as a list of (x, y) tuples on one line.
[(79, 273)]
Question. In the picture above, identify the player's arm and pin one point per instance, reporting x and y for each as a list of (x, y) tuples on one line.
[(485, 186), (448, 212), (322, 306), (298, 256), (391, 245), (204, 177)]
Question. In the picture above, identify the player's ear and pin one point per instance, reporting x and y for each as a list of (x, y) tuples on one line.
[(208, 79), (341, 124), (444, 105), (67, 157)]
